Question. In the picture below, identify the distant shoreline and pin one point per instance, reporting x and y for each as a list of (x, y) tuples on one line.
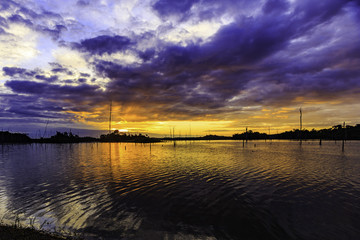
[(179, 140), (335, 133)]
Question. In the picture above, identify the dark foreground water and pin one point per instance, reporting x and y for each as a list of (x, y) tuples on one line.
[(197, 190)]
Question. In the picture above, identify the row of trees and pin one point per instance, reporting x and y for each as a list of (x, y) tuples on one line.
[(7, 137), (117, 136), (65, 137), (337, 132), (250, 135)]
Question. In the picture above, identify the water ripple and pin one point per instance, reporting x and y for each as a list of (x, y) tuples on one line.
[(196, 190)]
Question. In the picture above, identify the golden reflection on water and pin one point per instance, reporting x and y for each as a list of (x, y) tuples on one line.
[(123, 160)]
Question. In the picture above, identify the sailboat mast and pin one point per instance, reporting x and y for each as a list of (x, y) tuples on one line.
[(300, 119), (110, 117), (300, 126)]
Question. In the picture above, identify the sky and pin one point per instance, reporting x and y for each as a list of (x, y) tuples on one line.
[(194, 66)]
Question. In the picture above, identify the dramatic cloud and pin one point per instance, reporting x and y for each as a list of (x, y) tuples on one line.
[(15, 71), (104, 44), (168, 61), (30, 87), (171, 7)]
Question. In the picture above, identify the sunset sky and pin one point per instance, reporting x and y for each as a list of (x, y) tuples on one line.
[(205, 66)]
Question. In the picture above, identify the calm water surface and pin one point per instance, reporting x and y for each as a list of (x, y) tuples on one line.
[(196, 190)]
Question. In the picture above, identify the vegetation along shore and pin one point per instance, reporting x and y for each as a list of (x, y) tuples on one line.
[(19, 233), (337, 132)]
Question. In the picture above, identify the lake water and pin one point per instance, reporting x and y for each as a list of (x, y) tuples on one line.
[(194, 190)]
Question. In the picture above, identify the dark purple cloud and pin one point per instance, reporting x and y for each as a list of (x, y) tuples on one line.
[(47, 79), (62, 70), (275, 6), (19, 19), (28, 12), (11, 71), (51, 90), (104, 44), (45, 112), (58, 68), (201, 9), (3, 22), (83, 3), (85, 75), (54, 76), (147, 54), (17, 72), (4, 5), (55, 32), (167, 8), (40, 101), (33, 108)]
